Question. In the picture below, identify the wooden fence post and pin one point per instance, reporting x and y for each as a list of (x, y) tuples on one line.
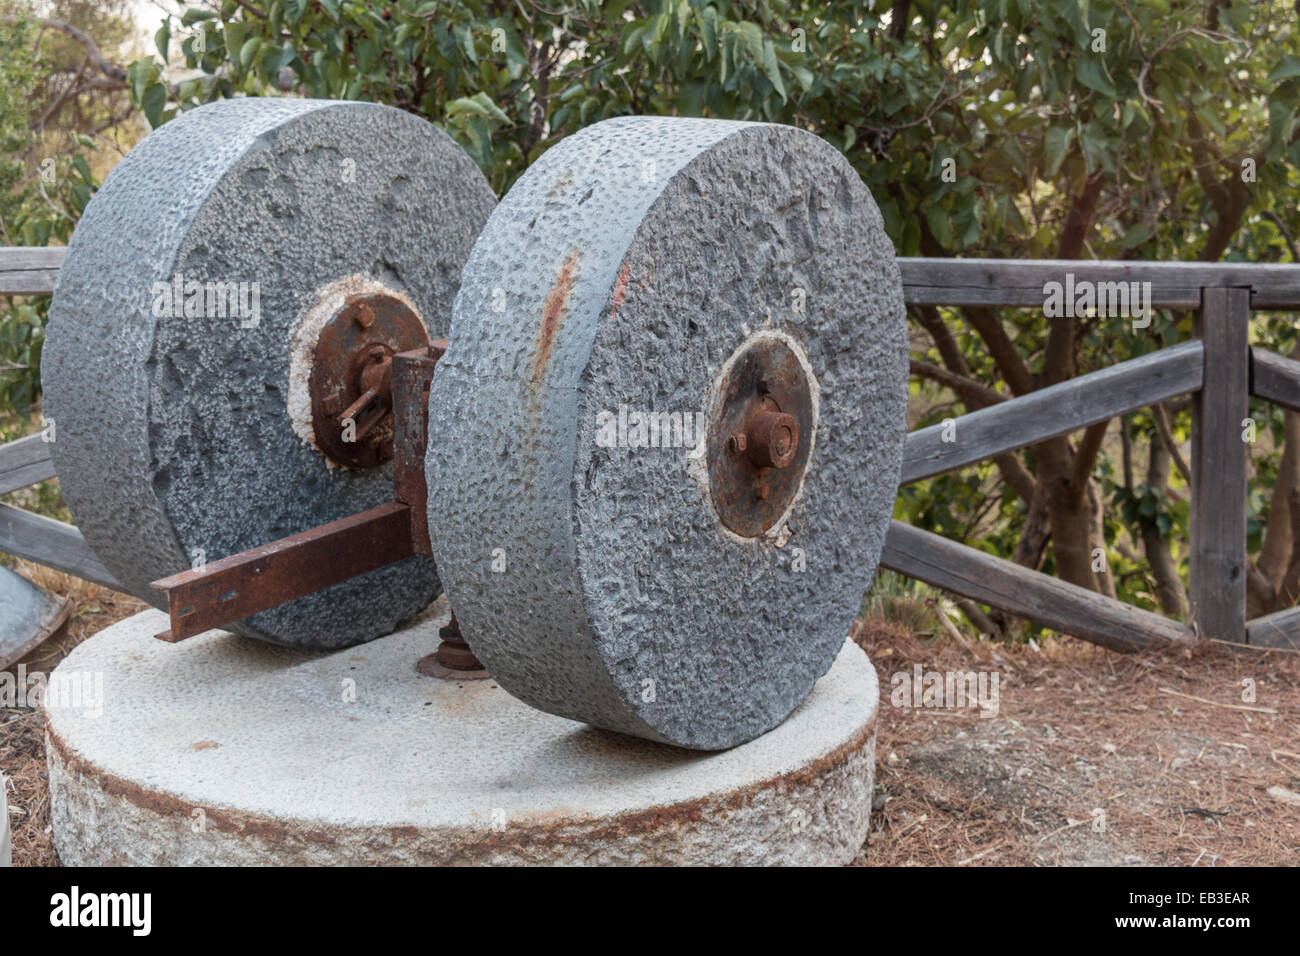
[(1219, 452)]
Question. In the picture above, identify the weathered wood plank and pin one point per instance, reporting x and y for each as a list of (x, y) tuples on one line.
[(1019, 282), (24, 462), (29, 271), (1217, 565), (1279, 629), (1056, 410), (51, 543), (1009, 282), (1275, 378), (1004, 584)]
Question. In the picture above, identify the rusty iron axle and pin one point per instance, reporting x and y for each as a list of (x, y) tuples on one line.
[(756, 462), (261, 578), (351, 386)]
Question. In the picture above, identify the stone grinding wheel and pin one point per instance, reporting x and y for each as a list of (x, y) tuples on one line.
[(175, 437), (670, 265)]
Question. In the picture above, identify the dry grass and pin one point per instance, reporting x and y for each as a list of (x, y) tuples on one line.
[(22, 730), (1081, 732)]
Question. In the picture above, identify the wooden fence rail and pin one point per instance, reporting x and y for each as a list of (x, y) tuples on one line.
[(29, 271), (1218, 368), (1052, 411)]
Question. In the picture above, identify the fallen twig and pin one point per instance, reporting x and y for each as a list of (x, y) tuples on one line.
[(1215, 703)]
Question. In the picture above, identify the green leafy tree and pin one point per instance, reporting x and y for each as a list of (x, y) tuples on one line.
[(45, 177)]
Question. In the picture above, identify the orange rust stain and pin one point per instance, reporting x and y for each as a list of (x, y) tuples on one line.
[(620, 288), (554, 311)]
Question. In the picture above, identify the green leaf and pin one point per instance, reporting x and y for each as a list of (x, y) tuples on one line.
[(1091, 73), (1136, 236), (480, 104), (248, 51), (155, 98), (633, 38), (708, 20), (936, 218), (753, 37), (162, 39), (138, 75), (1289, 67), (1056, 144), (194, 15), (466, 39), (1281, 115), (294, 9), (235, 34), (367, 53), (771, 70)]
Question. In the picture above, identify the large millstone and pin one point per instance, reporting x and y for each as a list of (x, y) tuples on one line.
[(183, 432), (690, 594)]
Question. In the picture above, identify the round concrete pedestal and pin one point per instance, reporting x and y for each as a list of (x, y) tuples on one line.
[(222, 750)]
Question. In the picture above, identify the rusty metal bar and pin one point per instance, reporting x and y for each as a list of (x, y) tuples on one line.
[(243, 584), (412, 376)]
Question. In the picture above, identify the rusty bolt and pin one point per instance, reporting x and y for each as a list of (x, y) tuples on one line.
[(377, 373), (365, 316), (456, 656), (453, 653), (737, 442), (773, 439)]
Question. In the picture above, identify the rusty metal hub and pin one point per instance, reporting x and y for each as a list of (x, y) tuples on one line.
[(351, 382), (760, 436)]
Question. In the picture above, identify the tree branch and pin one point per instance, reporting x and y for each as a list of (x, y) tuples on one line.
[(949, 351), (92, 51), (970, 391), (1167, 437), (251, 9), (1086, 453)]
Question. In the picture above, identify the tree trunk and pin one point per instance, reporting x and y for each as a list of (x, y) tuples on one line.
[(1279, 543), (1169, 586), (1069, 514), (1032, 547), (1097, 541)]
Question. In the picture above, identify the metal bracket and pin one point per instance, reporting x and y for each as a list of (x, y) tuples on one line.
[(412, 376), (233, 588), (238, 586)]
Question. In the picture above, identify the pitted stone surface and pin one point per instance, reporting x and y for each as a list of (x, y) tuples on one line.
[(173, 435), (222, 751), (623, 269)]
